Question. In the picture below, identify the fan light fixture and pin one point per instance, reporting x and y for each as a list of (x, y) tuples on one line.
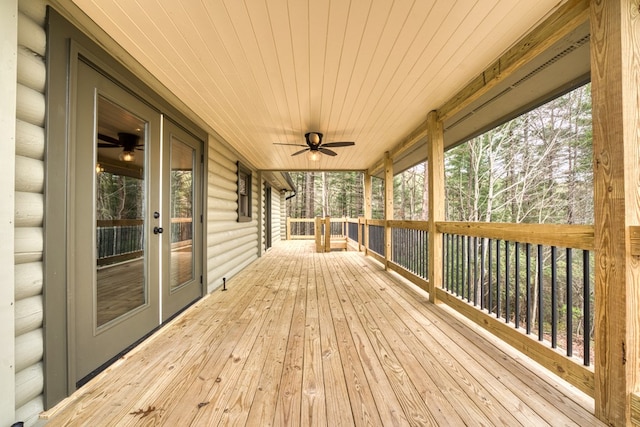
[(127, 156), (315, 147), (313, 155), (99, 168)]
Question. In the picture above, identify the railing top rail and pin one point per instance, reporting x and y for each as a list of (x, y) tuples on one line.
[(301, 219), (333, 219), (181, 219), (411, 225), (119, 222), (560, 235)]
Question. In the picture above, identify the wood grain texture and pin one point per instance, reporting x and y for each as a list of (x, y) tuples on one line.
[(388, 206), (435, 169), (301, 338), (615, 72), (560, 235)]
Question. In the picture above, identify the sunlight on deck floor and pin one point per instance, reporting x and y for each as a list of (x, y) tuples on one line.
[(301, 338)]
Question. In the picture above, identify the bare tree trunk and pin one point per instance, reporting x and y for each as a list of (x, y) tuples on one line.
[(325, 199), (309, 199)]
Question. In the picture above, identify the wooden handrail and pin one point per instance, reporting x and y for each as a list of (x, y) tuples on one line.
[(560, 235), (119, 222)]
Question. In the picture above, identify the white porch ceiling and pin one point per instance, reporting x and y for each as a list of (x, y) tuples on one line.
[(265, 71)]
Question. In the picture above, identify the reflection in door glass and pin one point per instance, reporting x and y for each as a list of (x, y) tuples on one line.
[(182, 167), (120, 212)]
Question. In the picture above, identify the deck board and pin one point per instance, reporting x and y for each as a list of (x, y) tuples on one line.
[(316, 339)]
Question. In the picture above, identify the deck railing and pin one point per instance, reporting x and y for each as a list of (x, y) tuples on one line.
[(301, 228), (527, 283), (121, 240), (530, 284), (410, 247)]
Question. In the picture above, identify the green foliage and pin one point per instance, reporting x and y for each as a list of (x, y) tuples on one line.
[(537, 168), (335, 194)]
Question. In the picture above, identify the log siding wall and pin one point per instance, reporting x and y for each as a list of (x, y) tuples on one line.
[(29, 210), (231, 245)]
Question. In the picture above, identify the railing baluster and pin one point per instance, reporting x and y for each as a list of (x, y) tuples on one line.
[(475, 271), (450, 261), (489, 284), (498, 296), (517, 286), (482, 271), (469, 268), (569, 262), (586, 312), (457, 283), (506, 282), (528, 288), (540, 295), (462, 269), (554, 297)]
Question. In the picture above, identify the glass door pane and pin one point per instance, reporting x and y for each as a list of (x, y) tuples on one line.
[(182, 191), (120, 212)]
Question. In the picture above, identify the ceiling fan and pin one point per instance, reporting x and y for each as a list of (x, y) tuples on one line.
[(127, 141), (315, 146)]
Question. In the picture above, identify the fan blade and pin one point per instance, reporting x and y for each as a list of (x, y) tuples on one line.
[(327, 151), (339, 144), (299, 152), (292, 145), (109, 139), (107, 145)]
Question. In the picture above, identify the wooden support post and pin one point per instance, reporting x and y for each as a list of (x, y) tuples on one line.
[(615, 55), (288, 228), (388, 207), (317, 231), (327, 234), (367, 209), (360, 233), (435, 165)]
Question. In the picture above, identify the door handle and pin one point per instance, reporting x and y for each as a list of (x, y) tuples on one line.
[(157, 230)]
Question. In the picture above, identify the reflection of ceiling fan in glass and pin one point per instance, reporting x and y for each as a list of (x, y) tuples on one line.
[(315, 146), (127, 141)]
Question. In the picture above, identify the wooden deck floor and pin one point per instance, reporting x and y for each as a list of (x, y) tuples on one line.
[(301, 338)]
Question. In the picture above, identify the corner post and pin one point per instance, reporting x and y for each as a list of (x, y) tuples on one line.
[(288, 235), (317, 231), (388, 208), (435, 167), (327, 234), (615, 55)]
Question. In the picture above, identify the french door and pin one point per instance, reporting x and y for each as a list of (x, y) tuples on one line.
[(135, 221)]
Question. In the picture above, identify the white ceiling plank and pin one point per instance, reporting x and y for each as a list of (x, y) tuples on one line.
[(265, 71)]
